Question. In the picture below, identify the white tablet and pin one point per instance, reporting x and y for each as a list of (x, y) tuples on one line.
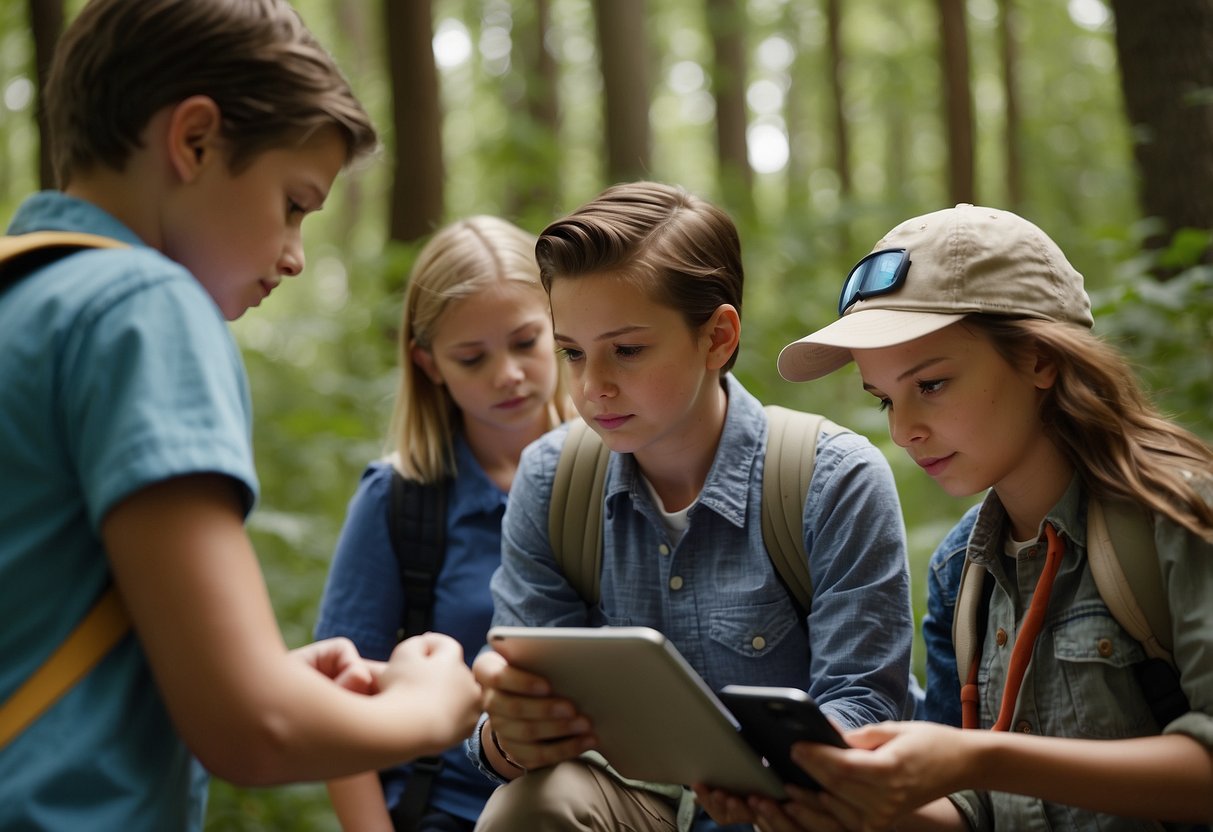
[(655, 718)]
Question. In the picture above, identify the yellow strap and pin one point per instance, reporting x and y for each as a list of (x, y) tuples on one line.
[(21, 243), (102, 628)]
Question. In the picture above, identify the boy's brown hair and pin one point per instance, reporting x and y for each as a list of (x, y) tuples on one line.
[(680, 249), (121, 61)]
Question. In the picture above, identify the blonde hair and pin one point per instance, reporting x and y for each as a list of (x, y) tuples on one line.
[(461, 259), (120, 62), (1098, 415)]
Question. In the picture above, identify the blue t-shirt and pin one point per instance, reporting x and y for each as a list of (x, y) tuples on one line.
[(118, 372), (363, 599)]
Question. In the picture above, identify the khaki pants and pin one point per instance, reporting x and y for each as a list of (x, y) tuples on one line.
[(574, 796)]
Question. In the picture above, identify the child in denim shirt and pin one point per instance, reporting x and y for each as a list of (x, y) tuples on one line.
[(972, 329), (645, 284)]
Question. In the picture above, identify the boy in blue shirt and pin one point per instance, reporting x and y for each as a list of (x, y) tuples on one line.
[(198, 135)]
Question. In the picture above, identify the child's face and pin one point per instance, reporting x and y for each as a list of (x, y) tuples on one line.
[(638, 374), (240, 234), (493, 350), (961, 411)]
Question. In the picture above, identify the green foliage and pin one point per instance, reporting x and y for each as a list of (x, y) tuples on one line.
[(322, 354)]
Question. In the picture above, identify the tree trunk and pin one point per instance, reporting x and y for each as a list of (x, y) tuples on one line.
[(958, 99), (534, 192), (796, 111), (842, 140), (726, 23), (46, 24), (623, 46), (1166, 68), (417, 199), (1013, 129)]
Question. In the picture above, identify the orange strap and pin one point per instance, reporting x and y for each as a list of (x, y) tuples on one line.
[(100, 630), (1025, 644)]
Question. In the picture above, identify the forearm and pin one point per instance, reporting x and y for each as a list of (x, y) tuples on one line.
[(358, 803), (1166, 777), (937, 816)]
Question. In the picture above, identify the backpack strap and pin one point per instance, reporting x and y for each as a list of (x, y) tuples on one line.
[(417, 529), (104, 625), (787, 471), (21, 254), (580, 482), (1124, 564), (97, 633)]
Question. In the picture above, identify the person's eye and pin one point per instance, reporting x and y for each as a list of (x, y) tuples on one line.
[(468, 360), (929, 387), (528, 344), (883, 404), (569, 354), (628, 351)]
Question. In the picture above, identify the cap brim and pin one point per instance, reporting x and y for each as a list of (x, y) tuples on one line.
[(829, 348)]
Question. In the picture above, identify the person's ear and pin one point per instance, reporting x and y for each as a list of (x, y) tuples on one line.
[(194, 136), (1044, 370), (723, 334), (424, 359)]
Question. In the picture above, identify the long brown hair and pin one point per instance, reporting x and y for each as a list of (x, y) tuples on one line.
[(1106, 425)]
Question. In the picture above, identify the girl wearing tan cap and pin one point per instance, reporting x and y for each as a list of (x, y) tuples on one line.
[(973, 331)]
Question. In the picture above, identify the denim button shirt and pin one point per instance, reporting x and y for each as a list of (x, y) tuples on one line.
[(716, 594), (1075, 686), (943, 582)]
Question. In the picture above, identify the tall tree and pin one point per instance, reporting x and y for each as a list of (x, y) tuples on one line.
[(842, 141), (46, 24), (624, 52), (536, 146), (1166, 69), (1013, 128), (726, 23), (417, 199), (958, 99)]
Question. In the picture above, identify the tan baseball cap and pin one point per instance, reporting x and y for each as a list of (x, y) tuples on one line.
[(963, 260)]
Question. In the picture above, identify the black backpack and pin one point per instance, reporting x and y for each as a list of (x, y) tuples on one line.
[(417, 529)]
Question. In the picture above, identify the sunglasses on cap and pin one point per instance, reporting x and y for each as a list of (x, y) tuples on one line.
[(880, 273)]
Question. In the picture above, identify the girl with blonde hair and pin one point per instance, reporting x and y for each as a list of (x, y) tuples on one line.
[(479, 382)]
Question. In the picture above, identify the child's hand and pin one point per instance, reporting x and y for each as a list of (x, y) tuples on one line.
[(338, 659), (892, 769), (429, 670), (532, 726), (724, 807)]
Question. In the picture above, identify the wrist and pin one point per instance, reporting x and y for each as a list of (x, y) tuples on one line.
[(501, 752)]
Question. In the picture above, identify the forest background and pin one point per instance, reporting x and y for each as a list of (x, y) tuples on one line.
[(817, 124)]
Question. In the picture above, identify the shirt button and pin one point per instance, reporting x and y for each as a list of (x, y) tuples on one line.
[(1000, 637), (1023, 726), (675, 583), (758, 642), (663, 549), (1104, 647)]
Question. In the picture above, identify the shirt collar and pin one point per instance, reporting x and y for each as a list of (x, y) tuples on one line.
[(56, 211), (744, 430)]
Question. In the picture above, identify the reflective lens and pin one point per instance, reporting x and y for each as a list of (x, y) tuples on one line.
[(879, 273)]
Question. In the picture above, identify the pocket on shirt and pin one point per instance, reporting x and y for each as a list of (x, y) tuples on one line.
[(753, 631), (1097, 658)]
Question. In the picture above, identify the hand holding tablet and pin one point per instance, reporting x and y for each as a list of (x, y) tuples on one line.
[(655, 717)]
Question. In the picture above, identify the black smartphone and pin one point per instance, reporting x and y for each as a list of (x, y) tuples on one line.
[(773, 718)]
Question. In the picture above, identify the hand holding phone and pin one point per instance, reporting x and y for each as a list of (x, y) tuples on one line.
[(773, 718)]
